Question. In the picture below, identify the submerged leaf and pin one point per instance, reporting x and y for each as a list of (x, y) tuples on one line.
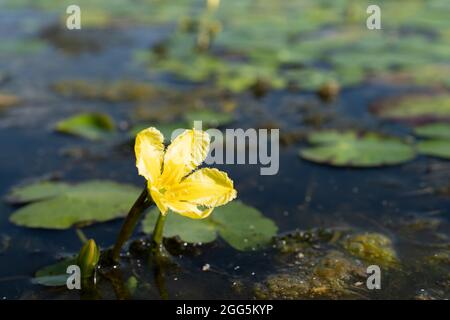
[(61, 206), (351, 149), (242, 226), (373, 248), (92, 126)]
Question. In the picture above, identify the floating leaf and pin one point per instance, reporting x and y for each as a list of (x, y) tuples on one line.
[(352, 149), (124, 90), (418, 108), (55, 274), (435, 130), (242, 226), (191, 67), (429, 75), (310, 79), (188, 230), (209, 118), (239, 77), (435, 148), (61, 206), (37, 191), (438, 144), (92, 126)]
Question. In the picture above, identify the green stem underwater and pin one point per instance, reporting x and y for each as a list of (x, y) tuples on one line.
[(128, 226)]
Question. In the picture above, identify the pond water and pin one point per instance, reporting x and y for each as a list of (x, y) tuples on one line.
[(319, 209)]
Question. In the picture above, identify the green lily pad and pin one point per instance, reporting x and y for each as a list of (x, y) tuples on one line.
[(239, 77), (418, 108), (352, 149), (242, 226), (92, 126), (189, 230), (197, 68), (54, 275), (60, 206), (310, 79), (435, 148), (429, 75), (37, 191), (435, 130), (209, 118), (438, 142)]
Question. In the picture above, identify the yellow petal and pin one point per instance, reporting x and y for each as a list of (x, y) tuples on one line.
[(206, 187), (194, 215), (189, 210), (158, 199), (149, 150), (186, 152)]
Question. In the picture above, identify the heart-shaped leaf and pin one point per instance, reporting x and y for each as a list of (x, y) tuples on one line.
[(60, 206), (37, 191), (242, 226), (353, 149)]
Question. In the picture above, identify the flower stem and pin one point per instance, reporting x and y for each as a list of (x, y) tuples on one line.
[(128, 226), (158, 234)]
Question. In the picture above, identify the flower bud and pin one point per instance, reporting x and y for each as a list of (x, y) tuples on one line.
[(88, 258)]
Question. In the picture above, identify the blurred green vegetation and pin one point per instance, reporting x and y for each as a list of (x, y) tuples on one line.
[(240, 44)]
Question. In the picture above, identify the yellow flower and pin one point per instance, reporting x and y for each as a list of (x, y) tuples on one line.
[(168, 172)]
